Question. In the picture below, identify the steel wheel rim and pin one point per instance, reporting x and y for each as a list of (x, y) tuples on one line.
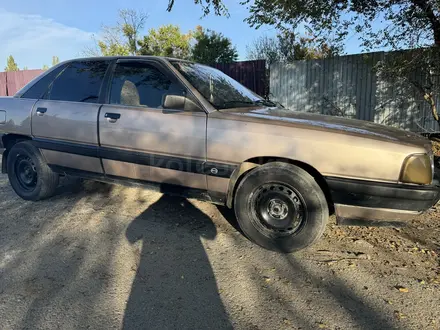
[(26, 172), (278, 209)]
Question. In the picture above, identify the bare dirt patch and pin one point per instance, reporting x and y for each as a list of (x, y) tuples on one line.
[(101, 256)]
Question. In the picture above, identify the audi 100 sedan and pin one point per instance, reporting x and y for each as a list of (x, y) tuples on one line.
[(191, 130)]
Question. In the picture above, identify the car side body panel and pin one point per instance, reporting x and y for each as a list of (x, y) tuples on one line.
[(16, 117), (236, 138), (64, 131), (66, 121), (363, 157), (154, 145)]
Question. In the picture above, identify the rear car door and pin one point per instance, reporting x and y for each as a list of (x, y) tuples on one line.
[(64, 120), (142, 140)]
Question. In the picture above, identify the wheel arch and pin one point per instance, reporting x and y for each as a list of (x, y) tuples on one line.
[(8, 141), (249, 164)]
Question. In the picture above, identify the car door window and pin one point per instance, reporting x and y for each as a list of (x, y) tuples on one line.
[(141, 84), (36, 90), (79, 82)]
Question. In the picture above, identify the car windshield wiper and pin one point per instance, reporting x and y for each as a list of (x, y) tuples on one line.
[(268, 103), (226, 104), (257, 102)]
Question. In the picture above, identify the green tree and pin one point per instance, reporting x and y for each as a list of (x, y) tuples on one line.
[(121, 39), (25, 68), (45, 67), (130, 24), (212, 47), (287, 47), (167, 40), (404, 24), (55, 60), (264, 48), (11, 65), (219, 7)]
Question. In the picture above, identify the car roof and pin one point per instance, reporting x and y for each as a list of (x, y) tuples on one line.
[(134, 57)]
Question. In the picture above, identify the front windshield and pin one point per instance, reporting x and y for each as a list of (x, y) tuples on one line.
[(220, 90)]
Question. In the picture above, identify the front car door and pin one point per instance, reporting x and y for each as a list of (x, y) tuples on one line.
[(140, 139), (64, 120)]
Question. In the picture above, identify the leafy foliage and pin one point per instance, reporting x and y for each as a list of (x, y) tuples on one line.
[(418, 68), (264, 48), (11, 65), (403, 23), (121, 39), (212, 47), (111, 46), (55, 60), (287, 47), (131, 23), (167, 40), (389, 24), (218, 5)]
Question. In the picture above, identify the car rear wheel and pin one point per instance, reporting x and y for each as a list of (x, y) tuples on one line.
[(29, 175), (281, 207)]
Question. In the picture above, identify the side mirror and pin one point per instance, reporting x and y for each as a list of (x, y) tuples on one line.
[(179, 102)]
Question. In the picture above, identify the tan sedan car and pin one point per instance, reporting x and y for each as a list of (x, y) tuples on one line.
[(191, 130)]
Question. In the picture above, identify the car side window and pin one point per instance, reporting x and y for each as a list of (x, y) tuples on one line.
[(141, 84), (41, 85), (79, 82)]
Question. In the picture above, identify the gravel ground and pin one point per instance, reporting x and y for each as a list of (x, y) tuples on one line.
[(102, 257)]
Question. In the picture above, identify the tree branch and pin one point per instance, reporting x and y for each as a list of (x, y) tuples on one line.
[(426, 7)]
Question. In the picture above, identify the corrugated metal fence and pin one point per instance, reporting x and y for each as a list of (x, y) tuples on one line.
[(12, 81), (349, 86)]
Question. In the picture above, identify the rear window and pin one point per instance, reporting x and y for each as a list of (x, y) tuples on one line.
[(79, 82), (36, 90)]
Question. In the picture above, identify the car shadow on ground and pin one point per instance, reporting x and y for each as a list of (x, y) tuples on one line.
[(174, 286), (171, 259)]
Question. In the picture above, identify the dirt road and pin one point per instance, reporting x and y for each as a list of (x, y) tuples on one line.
[(108, 257)]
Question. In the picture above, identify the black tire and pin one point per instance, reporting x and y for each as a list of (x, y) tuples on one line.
[(281, 207), (29, 175)]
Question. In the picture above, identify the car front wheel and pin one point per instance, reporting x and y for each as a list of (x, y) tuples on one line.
[(29, 175), (281, 207)]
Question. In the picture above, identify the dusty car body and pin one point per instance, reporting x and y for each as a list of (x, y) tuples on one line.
[(191, 130)]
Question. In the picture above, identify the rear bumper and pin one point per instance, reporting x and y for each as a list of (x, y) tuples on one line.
[(376, 201)]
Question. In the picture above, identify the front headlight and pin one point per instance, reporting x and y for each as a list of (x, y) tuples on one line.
[(417, 169)]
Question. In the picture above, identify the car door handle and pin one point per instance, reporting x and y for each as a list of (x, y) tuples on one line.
[(112, 117), (41, 111)]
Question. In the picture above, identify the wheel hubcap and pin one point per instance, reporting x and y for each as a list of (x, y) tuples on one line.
[(26, 172), (278, 208)]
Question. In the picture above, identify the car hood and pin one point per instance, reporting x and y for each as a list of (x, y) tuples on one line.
[(338, 124)]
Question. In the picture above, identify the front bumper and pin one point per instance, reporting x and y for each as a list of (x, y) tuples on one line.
[(358, 200)]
